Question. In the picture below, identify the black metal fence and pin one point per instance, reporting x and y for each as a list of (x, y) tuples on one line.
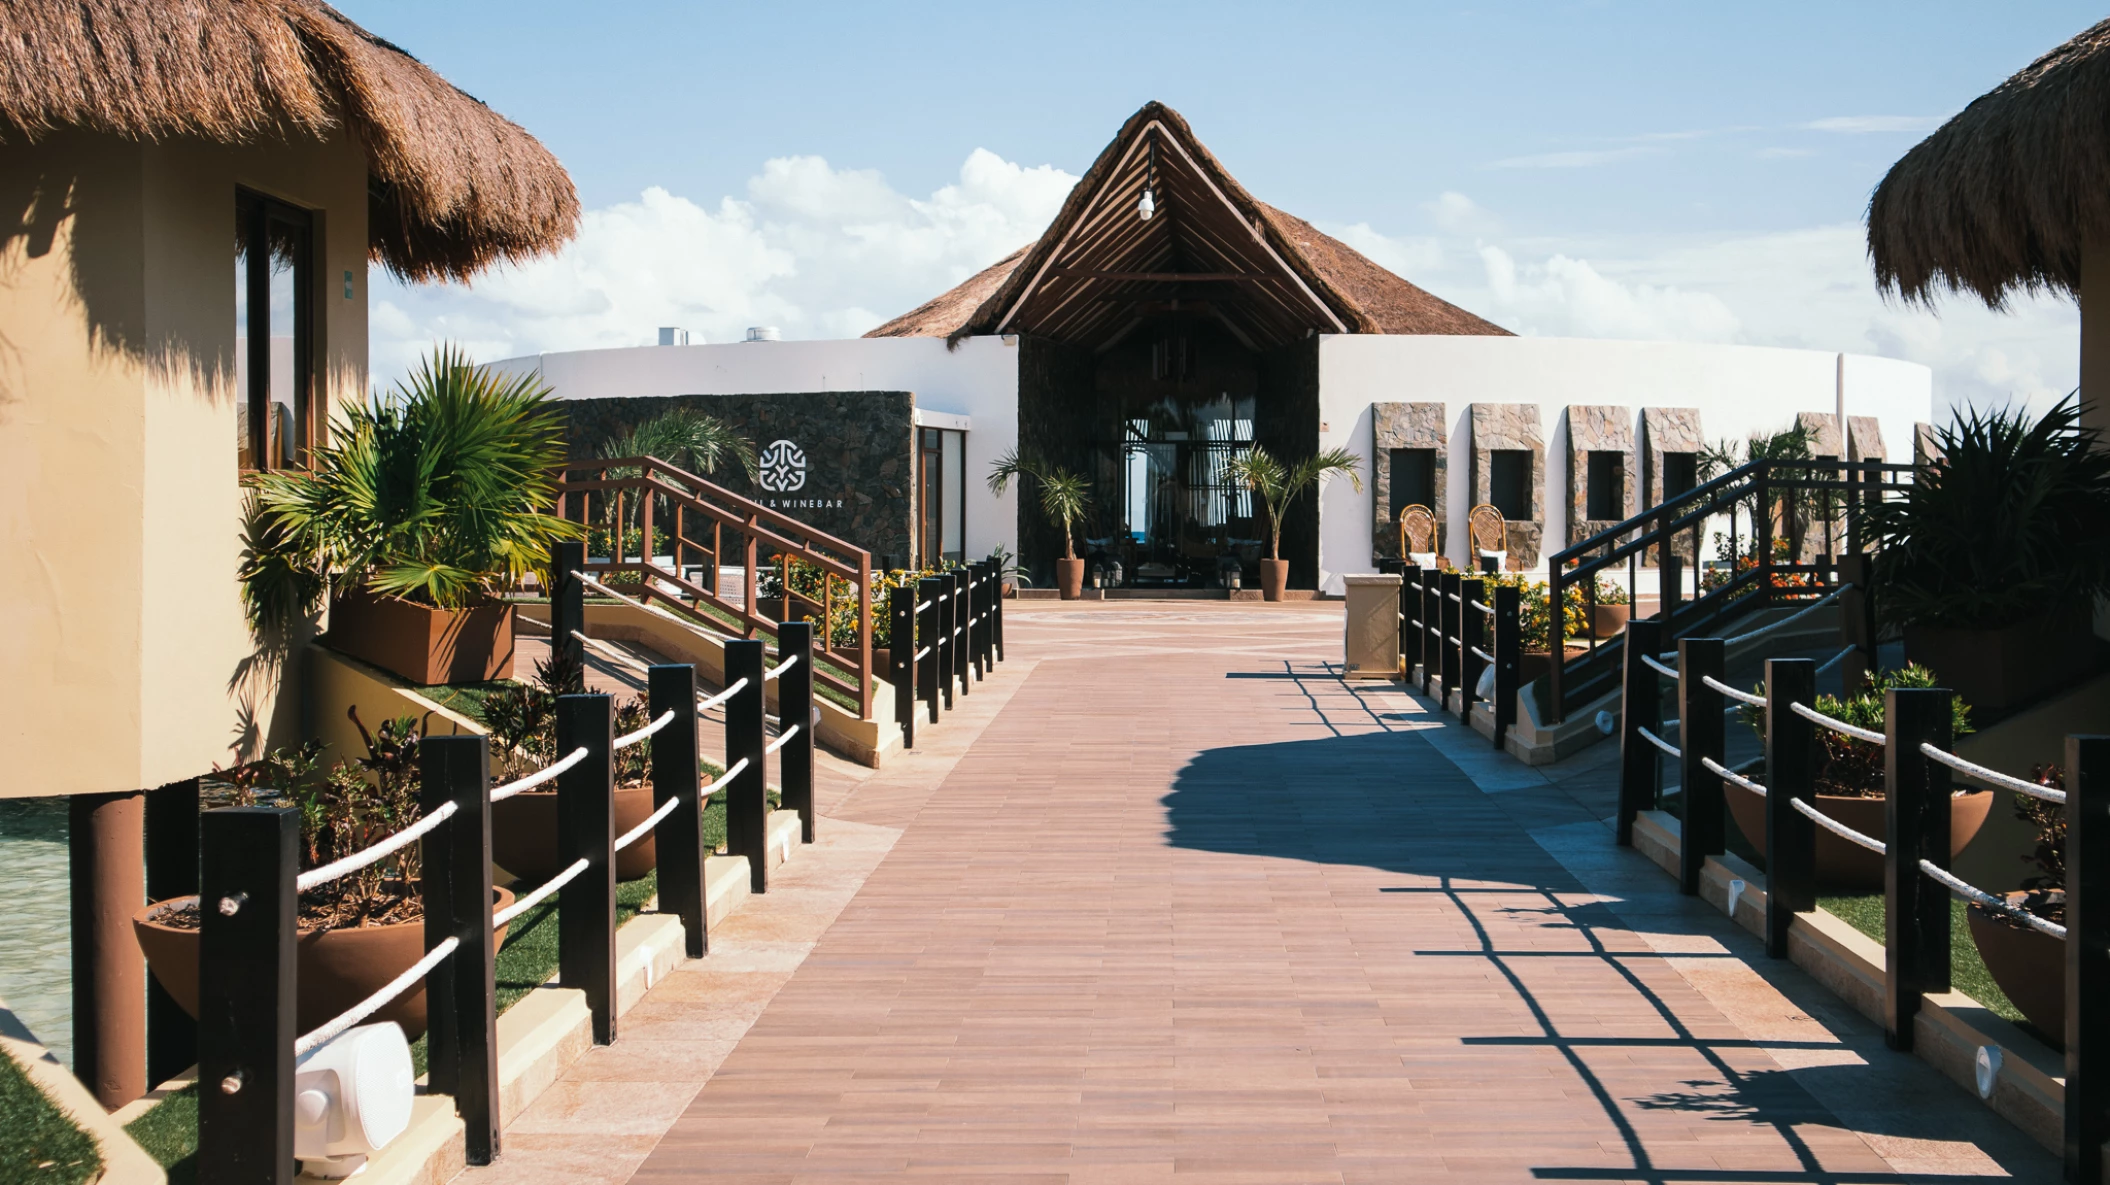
[(1915, 848), (1465, 634), (946, 633)]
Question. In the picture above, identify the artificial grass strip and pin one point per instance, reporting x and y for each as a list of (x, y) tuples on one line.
[(38, 1143), (1967, 971), (169, 1134)]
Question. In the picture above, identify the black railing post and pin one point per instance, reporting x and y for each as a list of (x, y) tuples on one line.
[(1449, 633), (901, 655), (1470, 635), (930, 677), (462, 1030), (1791, 774), (1557, 645), (586, 831), (1409, 619), (172, 871), (678, 840), (996, 615), (1509, 657), (2087, 956), (1432, 587), (1640, 706), (248, 859), (795, 709), (1916, 817), (978, 617), (961, 615), (567, 602), (1670, 572), (1700, 735), (747, 797), (1762, 532), (941, 638)]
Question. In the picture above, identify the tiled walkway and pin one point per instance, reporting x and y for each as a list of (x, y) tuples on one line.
[(1191, 909)]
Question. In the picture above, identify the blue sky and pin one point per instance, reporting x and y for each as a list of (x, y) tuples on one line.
[(1690, 171)]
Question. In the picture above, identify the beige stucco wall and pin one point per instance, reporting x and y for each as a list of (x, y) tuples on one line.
[(129, 662)]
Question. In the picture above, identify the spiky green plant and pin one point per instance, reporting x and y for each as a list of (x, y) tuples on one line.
[(1279, 483), (2008, 525), (1064, 496), (686, 439), (438, 492)]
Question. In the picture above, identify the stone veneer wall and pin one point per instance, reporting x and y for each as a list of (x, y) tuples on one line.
[(858, 482), (1597, 429), (1823, 428), (1864, 439), (1405, 425), (1926, 445), (1511, 426), (1666, 430)]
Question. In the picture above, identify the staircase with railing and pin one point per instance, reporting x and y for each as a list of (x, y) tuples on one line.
[(1814, 506), (685, 528)]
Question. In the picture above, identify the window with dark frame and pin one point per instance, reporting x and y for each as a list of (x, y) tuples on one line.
[(1604, 495), (1413, 479), (1680, 473), (1509, 482), (274, 332), (930, 457)]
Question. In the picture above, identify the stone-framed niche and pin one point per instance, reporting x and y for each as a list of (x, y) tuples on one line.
[(1823, 428), (1509, 472), (1926, 445), (1671, 444), (1600, 469), (1864, 439), (1409, 462)]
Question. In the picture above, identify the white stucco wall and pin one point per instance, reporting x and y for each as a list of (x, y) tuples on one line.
[(1738, 390), (979, 381)]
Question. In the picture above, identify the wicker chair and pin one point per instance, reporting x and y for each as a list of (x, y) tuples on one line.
[(1417, 536), (1489, 533)]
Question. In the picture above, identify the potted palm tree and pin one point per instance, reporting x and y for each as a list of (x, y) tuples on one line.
[(1280, 484), (1064, 497), (425, 506), (1992, 560)]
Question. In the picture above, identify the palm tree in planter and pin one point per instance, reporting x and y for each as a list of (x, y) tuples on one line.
[(1280, 484), (1064, 498), (426, 505)]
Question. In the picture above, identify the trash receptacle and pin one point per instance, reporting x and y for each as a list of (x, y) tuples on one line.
[(1370, 645)]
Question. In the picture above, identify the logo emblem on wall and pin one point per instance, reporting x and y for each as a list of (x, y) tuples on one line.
[(783, 467)]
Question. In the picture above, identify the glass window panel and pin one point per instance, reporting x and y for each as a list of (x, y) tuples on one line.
[(1604, 497), (1509, 482), (1413, 479), (950, 499)]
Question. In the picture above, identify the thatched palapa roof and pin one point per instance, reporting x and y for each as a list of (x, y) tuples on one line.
[(2004, 194), (454, 186), (1099, 268)]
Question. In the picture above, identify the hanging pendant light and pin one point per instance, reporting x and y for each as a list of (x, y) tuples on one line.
[(1148, 206)]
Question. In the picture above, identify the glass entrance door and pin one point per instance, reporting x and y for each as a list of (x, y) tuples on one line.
[(1184, 522)]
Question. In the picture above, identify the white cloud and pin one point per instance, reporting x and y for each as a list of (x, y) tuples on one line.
[(1578, 159), (817, 251), (1855, 125), (1459, 214)]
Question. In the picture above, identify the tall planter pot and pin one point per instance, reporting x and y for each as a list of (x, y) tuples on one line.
[(1998, 670), (421, 644), (1274, 578), (333, 969), (1842, 864), (2030, 966), (1069, 579), (524, 835)]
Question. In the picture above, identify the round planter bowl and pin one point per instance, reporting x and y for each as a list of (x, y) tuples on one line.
[(1608, 621), (1069, 579), (1842, 864), (1274, 578), (2030, 966), (333, 969), (524, 835)]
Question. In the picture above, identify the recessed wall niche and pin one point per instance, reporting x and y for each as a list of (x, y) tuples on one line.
[(1671, 444), (1408, 449), (1600, 469), (1512, 429)]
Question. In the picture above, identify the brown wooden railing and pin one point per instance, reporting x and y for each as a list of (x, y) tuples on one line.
[(696, 522)]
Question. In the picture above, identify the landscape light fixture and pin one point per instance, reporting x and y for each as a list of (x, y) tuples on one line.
[(350, 1098), (1148, 206)]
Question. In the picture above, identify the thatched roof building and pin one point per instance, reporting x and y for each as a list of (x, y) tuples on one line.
[(454, 185), (1099, 270), (2004, 195)]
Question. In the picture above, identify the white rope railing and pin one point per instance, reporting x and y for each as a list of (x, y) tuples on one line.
[(1833, 661), (725, 779), (644, 828), (1659, 742), (921, 606), (782, 739), (1836, 827), (780, 668), (1453, 597), (1972, 769), (1978, 896), (630, 738), (309, 1042), (540, 895), (1483, 655), (705, 705), (1729, 775), (1483, 608), (1743, 697), (603, 648), (655, 610), (368, 855), (547, 773), (1659, 668), (923, 654), (1840, 726), (1806, 610)]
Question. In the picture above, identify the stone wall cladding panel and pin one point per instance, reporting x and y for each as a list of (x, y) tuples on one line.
[(1511, 426), (1405, 425), (1666, 430), (1595, 428), (1864, 439), (1926, 444), (856, 446)]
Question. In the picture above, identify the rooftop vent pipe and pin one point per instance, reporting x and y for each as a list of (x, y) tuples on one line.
[(762, 333)]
